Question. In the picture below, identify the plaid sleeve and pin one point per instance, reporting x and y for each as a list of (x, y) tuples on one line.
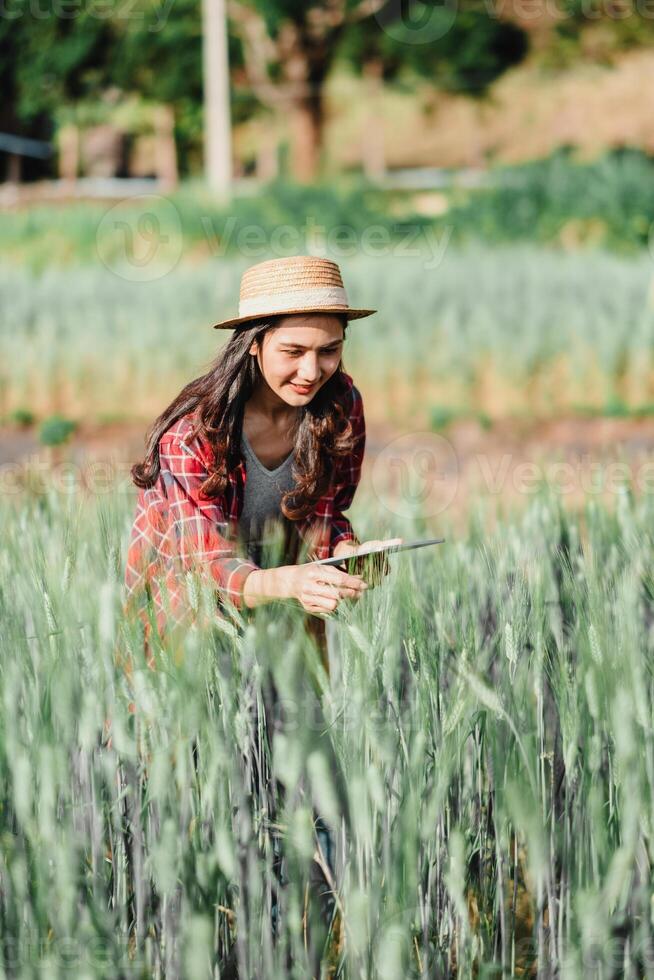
[(197, 526), (349, 477)]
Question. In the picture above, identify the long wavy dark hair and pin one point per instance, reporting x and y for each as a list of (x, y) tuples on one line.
[(323, 431)]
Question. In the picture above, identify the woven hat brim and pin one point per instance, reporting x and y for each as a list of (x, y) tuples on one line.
[(351, 315)]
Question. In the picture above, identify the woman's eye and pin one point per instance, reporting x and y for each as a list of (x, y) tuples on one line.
[(296, 353)]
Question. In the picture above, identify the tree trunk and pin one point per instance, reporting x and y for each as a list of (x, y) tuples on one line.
[(267, 162), (14, 168), (373, 156), (306, 137), (305, 69), (166, 152), (69, 143)]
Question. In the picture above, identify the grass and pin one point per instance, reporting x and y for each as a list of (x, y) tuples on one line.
[(483, 755), (615, 408), (68, 234), (560, 201), (488, 331), (442, 417)]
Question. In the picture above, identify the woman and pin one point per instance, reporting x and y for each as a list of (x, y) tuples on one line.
[(273, 434)]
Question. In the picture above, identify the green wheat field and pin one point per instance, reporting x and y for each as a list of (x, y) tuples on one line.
[(483, 756), (502, 329), (482, 752)]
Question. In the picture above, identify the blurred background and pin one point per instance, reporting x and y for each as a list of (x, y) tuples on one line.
[(482, 172)]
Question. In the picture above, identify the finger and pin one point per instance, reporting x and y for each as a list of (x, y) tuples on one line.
[(336, 577), (316, 610), (325, 590), (332, 573), (334, 592), (324, 604), (353, 593), (346, 580)]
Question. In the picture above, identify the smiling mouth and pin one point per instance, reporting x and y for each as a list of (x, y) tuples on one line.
[(302, 387)]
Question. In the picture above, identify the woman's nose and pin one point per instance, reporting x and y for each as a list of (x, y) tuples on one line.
[(308, 369)]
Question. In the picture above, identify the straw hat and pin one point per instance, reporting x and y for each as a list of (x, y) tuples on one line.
[(297, 284)]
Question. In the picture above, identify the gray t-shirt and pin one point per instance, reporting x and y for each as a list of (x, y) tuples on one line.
[(264, 489)]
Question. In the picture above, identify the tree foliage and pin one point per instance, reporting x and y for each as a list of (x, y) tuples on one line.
[(458, 47), (281, 53)]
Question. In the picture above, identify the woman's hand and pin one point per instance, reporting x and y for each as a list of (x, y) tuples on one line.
[(319, 588), (372, 567)]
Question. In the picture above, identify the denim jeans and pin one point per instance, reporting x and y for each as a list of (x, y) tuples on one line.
[(321, 885)]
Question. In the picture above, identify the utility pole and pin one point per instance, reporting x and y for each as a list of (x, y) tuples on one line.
[(217, 121)]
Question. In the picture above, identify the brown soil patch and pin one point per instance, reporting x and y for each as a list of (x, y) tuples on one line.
[(451, 470)]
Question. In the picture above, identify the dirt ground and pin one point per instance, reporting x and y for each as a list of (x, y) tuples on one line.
[(439, 474)]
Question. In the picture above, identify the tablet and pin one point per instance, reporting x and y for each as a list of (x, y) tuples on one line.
[(376, 549)]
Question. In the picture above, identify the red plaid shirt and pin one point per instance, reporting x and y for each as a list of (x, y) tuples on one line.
[(176, 531)]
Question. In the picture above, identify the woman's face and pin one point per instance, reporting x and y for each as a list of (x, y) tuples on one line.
[(300, 354)]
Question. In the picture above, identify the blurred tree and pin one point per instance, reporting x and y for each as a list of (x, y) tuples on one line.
[(290, 47), (160, 57), (283, 50), (458, 47), (53, 60), (47, 60), (598, 31)]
